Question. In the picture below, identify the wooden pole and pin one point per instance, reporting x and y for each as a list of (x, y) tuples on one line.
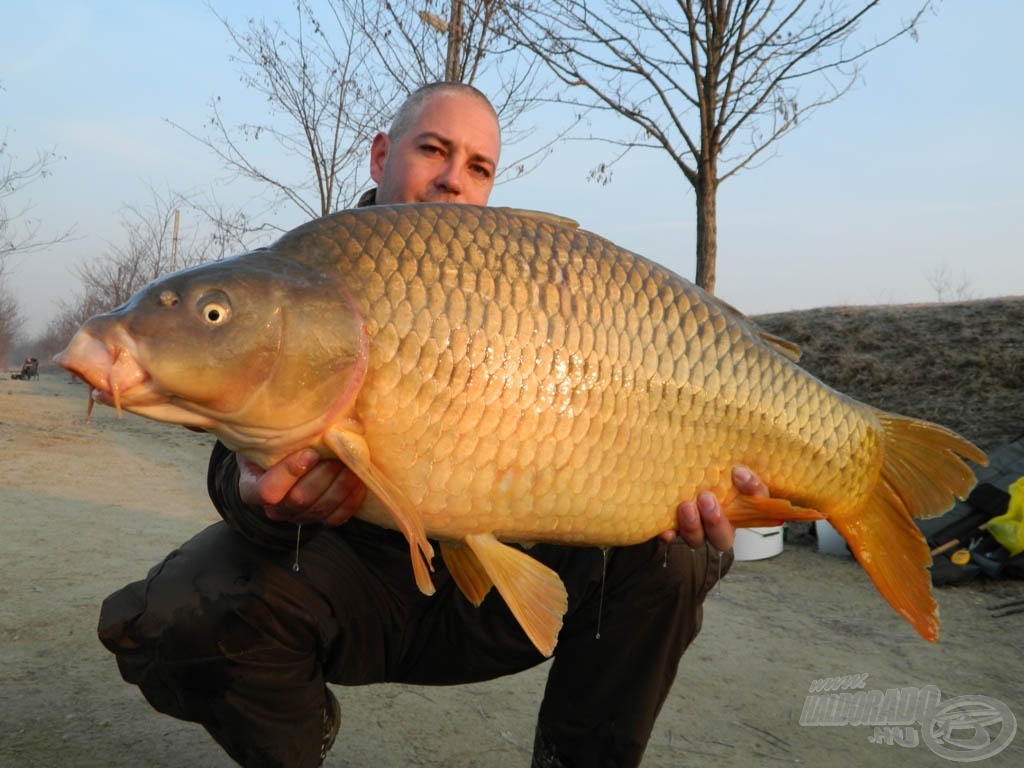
[(174, 240)]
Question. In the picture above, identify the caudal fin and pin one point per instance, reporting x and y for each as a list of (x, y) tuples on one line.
[(923, 469)]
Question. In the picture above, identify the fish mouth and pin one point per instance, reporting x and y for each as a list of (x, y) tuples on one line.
[(112, 371)]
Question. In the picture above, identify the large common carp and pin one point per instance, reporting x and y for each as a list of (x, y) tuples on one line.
[(496, 375)]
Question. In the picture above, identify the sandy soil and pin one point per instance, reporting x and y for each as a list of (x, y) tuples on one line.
[(85, 508)]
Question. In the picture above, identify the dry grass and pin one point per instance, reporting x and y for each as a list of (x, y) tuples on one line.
[(961, 365)]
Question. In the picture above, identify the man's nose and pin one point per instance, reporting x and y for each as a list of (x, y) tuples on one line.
[(450, 178)]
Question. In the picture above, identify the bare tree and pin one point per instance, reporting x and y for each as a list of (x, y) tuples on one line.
[(713, 84), (317, 110), (171, 231), (336, 75), (416, 42), (20, 231), (154, 244), (11, 319), (948, 287)]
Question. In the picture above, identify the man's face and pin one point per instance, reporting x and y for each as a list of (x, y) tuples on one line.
[(448, 155)]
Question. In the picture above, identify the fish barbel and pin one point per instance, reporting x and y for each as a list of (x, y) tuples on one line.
[(503, 376)]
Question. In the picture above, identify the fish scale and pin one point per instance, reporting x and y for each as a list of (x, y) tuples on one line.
[(503, 376), (551, 297)]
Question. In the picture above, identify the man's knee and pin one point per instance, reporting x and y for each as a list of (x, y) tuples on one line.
[(211, 598)]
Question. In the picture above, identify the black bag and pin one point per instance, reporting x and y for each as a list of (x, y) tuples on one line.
[(968, 551)]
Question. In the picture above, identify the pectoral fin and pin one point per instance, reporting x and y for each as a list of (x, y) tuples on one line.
[(533, 592), (760, 511), (352, 449)]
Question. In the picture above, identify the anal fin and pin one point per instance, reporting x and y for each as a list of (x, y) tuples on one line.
[(763, 511), (532, 591)]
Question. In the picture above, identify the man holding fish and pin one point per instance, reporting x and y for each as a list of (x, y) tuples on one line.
[(240, 632)]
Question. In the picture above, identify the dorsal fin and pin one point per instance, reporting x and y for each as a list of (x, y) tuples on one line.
[(786, 348), (542, 216)]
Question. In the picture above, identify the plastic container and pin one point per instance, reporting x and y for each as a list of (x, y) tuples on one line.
[(757, 543), (829, 540)]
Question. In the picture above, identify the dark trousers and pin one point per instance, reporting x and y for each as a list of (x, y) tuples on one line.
[(227, 634)]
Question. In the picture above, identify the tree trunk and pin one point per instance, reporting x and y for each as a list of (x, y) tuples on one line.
[(706, 193)]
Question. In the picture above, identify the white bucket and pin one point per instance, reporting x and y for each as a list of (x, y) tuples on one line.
[(829, 540), (757, 543)]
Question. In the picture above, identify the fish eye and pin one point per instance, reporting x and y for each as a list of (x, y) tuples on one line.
[(215, 314), (214, 310)]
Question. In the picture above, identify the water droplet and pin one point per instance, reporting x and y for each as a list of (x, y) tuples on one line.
[(600, 604)]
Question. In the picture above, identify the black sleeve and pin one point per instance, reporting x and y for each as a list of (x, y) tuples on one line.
[(246, 519)]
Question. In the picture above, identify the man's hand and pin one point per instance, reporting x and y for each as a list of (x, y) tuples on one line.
[(702, 520), (302, 488)]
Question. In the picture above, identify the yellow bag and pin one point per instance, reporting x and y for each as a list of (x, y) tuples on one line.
[(1008, 528)]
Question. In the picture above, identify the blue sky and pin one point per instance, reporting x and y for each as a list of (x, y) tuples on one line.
[(916, 171)]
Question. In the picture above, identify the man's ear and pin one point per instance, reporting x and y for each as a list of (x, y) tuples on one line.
[(378, 154)]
